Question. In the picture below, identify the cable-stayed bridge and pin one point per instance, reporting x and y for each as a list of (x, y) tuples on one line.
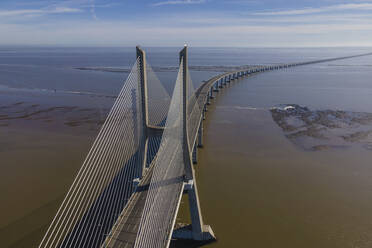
[(129, 188)]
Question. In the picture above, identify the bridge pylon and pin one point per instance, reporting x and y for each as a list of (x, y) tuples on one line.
[(142, 85), (198, 231), (148, 129)]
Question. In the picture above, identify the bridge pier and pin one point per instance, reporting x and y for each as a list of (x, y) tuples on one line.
[(216, 87), (195, 155), (200, 135), (211, 94), (209, 98), (220, 83)]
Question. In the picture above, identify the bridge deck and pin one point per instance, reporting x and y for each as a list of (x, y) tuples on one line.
[(123, 234)]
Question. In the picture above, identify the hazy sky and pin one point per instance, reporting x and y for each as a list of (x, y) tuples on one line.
[(196, 22)]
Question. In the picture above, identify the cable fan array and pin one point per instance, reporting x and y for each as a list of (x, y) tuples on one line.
[(158, 99), (104, 183), (195, 110)]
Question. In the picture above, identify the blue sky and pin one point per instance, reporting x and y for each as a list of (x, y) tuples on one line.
[(250, 23)]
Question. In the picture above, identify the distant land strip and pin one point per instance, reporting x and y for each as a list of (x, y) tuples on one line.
[(170, 68), (212, 68)]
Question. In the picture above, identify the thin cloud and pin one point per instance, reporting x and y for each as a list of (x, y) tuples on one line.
[(304, 11), (175, 2), (103, 33), (27, 12)]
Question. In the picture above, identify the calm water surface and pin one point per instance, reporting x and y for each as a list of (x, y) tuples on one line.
[(257, 189)]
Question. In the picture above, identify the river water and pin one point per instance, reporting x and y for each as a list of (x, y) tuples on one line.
[(257, 187)]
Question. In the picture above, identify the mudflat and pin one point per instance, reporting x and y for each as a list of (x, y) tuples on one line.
[(42, 148)]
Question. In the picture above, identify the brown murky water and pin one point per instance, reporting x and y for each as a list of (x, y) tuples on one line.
[(257, 189), (37, 167)]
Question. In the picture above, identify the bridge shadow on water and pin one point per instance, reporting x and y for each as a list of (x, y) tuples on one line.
[(93, 228)]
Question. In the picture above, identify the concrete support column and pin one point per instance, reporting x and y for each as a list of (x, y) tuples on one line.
[(200, 135), (211, 93), (216, 86), (195, 155)]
